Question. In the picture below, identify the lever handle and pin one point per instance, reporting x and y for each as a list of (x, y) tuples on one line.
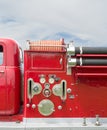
[(1, 71)]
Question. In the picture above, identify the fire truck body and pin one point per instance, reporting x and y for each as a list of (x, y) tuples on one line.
[(65, 87), (10, 78)]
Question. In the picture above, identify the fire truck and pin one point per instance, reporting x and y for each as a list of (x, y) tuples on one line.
[(62, 87)]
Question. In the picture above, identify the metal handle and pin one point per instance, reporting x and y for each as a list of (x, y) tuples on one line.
[(1, 71), (21, 54)]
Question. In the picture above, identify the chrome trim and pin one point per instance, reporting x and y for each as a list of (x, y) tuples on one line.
[(81, 50), (55, 124), (71, 50), (72, 62), (80, 61)]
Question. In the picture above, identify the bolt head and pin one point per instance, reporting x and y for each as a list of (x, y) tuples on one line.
[(59, 107), (69, 90), (33, 106), (27, 105)]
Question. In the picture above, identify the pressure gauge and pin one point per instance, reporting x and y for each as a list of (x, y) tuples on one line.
[(46, 107), (51, 80), (42, 80)]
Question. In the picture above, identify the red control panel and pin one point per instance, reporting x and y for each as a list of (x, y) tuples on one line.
[(57, 84)]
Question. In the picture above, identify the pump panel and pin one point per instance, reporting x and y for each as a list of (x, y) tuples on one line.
[(63, 82)]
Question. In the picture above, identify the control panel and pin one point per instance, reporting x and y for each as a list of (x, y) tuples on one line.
[(46, 94), (61, 83)]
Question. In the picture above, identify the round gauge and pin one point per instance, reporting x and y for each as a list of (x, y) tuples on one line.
[(51, 80), (37, 88), (47, 85), (42, 80), (46, 107)]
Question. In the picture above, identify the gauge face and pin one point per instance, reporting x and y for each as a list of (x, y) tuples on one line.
[(47, 85), (51, 80), (46, 107), (57, 90), (37, 88), (42, 80)]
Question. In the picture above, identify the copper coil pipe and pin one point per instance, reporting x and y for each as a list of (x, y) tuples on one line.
[(47, 45)]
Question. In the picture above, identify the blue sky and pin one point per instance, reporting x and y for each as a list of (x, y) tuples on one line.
[(81, 21)]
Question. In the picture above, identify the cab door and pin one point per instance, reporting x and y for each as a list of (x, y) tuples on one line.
[(3, 87)]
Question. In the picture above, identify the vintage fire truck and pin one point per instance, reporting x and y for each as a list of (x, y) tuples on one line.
[(62, 87)]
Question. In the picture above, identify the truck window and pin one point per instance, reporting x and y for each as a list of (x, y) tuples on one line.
[(1, 54)]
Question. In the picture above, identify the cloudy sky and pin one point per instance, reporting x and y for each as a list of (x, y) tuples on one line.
[(83, 21)]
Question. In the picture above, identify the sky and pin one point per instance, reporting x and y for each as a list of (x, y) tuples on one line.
[(81, 21)]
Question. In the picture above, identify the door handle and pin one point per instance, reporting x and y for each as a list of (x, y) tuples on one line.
[(1, 71)]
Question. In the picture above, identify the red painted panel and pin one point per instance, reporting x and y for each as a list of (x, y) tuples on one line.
[(3, 90), (45, 61), (88, 88), (13, 90), (10, 78)]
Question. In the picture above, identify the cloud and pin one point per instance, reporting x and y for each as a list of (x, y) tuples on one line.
[(7, 20), (84, 21)]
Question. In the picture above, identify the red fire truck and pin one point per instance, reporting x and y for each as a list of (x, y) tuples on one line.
[(62, 88)]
